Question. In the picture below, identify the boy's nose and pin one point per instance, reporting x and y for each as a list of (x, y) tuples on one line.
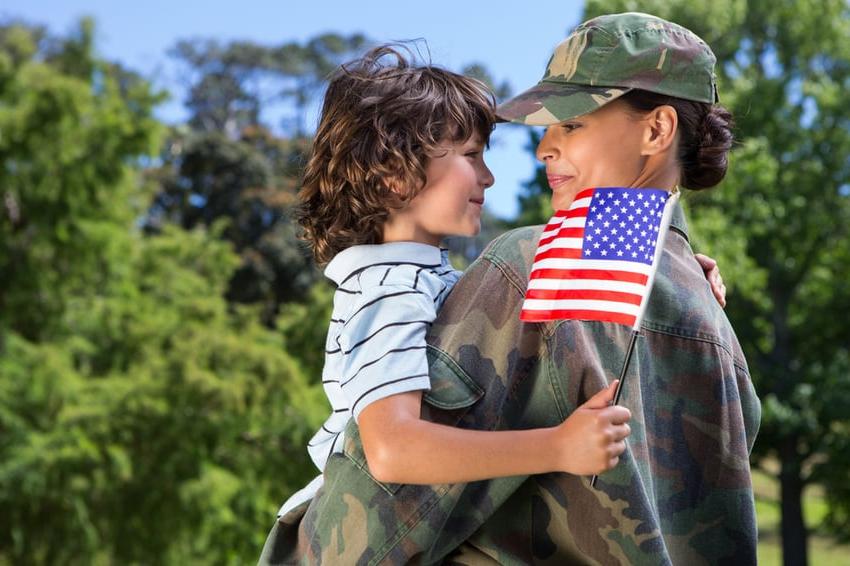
[(487, 179)]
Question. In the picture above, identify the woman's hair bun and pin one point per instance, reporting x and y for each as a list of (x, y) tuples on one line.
[(704, 163)]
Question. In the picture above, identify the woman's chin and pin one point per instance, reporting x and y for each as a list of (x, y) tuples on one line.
[(564, 199)]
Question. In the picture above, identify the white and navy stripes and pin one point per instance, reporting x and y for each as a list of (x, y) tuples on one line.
[(387, 297)]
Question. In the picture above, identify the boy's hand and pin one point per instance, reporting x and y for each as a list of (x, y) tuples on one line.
[(712, 274), (593, 437)]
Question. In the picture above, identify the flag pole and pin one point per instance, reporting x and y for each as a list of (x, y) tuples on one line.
[(665, 224), (620, 384), (625, 367)]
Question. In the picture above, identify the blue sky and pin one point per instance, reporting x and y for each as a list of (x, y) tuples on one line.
[(513, 40)]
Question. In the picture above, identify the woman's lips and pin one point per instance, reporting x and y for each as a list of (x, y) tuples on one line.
[(555, 180)]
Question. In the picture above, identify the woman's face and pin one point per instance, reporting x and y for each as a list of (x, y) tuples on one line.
[(600, 149)]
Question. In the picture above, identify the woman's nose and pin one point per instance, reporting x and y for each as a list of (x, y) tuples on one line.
[(547, 148)]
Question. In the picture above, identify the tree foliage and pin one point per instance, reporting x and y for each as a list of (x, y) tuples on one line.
[(69, 125), (142, 417), (233, 162)]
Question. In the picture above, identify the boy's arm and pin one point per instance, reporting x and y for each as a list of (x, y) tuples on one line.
[(383, 371), (402, 448)]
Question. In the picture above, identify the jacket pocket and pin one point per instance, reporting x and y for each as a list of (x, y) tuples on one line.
[(352, 448), (451, 386), (452, 391)]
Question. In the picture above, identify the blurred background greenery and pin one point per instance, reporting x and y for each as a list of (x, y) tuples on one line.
[(161, 327)]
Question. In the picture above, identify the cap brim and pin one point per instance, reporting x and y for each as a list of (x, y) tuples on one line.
[(550, 102)]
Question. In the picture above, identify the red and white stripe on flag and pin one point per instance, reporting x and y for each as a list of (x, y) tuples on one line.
[(596, 260)]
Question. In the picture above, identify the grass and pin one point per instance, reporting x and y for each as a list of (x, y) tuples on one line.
[(823, 551)]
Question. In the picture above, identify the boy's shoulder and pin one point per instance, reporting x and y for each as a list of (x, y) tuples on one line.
[(369, 267), (384, 279)]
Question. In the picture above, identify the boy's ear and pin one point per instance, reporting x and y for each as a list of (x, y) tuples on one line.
[(391, 185), (662, 125), (395, 186)]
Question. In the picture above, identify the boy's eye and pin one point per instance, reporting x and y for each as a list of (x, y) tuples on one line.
[(473, 153), (570, 126)]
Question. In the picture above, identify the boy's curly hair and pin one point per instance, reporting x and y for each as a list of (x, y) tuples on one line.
[(381, 120)]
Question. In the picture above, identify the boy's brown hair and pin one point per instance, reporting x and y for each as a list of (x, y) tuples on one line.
[(381, 120)]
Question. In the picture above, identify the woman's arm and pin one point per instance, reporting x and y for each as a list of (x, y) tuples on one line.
[(402, 448)]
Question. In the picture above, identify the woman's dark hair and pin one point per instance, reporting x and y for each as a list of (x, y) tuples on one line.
[(705, 136), (382, 119)]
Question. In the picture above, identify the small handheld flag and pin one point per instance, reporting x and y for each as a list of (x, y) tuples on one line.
[(597, 260)]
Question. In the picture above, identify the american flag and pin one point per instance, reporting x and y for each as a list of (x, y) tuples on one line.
[(596, 260)]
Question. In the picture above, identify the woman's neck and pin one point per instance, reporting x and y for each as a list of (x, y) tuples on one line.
[(660, 173)]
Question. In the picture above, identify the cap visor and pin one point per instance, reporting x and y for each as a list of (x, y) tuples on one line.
[(550, 102)]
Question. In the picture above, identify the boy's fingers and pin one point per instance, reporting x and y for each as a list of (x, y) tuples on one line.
[(617, 448), (617, 415), (621, 432), (603, 397)]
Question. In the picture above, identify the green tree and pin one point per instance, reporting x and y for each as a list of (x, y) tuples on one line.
[(142, 417), (209, 178), (69, 124), (779, 226), (232, 163), (166, 430), (231, 85)]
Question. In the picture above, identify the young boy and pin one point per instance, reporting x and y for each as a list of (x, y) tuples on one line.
[(397, 164)]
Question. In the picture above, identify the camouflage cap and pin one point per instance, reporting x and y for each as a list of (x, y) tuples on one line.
[(606, 57)]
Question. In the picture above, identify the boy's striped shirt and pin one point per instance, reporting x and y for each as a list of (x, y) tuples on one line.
[(386, 299)]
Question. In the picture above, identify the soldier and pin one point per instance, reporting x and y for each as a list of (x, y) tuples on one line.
[(682, 490)]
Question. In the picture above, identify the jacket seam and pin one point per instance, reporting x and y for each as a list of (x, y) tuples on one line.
[(507, 272), (557, 392), (411, 523), (707, 338), (513, 278)]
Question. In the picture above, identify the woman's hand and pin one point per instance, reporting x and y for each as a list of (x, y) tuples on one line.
[(593, 436), (712, 275)]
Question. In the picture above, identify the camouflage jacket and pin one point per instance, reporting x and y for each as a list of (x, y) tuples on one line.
[(681, 494)]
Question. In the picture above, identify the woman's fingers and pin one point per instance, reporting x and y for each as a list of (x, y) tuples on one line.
[(707, 263), (713, 276)]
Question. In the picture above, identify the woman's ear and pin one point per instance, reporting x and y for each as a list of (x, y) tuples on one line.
[(662, 124)]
